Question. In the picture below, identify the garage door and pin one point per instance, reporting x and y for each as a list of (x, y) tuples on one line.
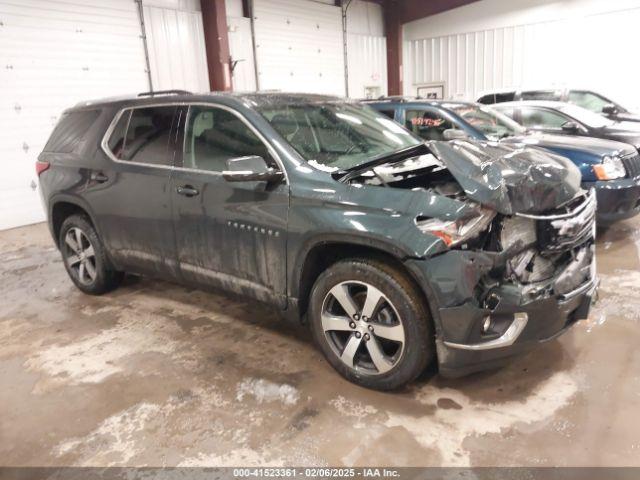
[(52, 55), (299, 46)]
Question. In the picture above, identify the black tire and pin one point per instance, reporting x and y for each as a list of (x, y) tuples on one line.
[(103, 277), (405, 302)]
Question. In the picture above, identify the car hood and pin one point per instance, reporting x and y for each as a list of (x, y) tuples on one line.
[(509, 178), (596, 146)]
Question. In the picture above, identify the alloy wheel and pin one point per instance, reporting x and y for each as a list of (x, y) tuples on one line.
[(363, 327), (80, 256)]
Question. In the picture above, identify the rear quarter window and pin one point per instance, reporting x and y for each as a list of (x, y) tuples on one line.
[(70, 130)]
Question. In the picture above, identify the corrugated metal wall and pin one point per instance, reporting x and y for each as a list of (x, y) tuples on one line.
[(367, 60), (584, 50), (52, 55), (177, 53), (299, 46)]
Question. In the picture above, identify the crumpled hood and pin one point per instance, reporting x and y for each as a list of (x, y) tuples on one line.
[(509, 178)]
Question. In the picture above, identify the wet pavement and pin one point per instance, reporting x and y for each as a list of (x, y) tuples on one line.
[(156, 374)]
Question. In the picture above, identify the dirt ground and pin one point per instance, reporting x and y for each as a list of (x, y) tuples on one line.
[(156, 374)]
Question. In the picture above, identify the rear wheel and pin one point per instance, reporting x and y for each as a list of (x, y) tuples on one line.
[(85, 258), (371, 324)]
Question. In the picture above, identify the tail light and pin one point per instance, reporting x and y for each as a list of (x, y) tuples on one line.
[(41, 167)]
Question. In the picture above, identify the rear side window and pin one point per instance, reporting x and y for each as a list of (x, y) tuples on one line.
[(69, 133), (497, 98), (142, 135)]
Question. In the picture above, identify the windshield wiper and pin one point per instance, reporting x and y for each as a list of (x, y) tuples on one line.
[(397, 155)]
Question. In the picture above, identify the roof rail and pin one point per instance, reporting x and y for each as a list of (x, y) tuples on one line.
[(164, 92)]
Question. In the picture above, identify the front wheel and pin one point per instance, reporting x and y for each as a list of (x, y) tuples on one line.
[(371, 323)]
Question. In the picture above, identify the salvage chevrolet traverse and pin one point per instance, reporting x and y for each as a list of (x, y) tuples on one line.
[(396, 252)]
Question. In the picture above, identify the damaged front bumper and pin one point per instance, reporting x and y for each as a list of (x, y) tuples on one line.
[(484, 316), (470, 336), (617, 199)]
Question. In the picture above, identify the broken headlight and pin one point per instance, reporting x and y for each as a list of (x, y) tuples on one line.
[(610, 168), (456, 232)]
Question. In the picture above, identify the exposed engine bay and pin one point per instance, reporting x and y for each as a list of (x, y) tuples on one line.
[(550, 251)]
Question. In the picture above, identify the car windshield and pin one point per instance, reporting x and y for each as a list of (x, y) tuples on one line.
[(585, 116), (338, 136), (493, 124)]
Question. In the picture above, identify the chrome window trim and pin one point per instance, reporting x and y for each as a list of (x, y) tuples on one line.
[(105, 139), (105, 147)]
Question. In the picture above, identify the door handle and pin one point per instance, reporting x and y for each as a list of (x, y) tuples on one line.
[(99, 177), (187, 191)]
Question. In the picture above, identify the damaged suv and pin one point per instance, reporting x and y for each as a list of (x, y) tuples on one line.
[(396, 252)]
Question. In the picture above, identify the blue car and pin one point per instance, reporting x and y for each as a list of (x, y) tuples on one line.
[(606, 165)]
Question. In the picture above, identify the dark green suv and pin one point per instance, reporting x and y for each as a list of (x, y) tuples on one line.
[(397, 253)]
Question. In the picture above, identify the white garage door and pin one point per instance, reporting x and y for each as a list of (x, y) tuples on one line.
[(299, 46), (52, 55)]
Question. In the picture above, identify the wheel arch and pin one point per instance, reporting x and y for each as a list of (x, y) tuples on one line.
[(320, 255), (63, 206)]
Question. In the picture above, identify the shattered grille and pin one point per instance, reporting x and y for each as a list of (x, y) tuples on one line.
[(632, 165), (568, 227)]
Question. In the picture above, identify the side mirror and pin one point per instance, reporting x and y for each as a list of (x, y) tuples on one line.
[(570, 127), (610, 110), (455, 134), (251, 169)]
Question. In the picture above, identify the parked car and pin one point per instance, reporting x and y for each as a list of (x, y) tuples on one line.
[(612, 168), (588, 99), (396, 252)]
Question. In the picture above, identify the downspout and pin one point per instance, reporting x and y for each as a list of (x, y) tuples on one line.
[(344, 46), (144, 43)]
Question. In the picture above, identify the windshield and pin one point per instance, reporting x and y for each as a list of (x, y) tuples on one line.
[(493, 124), (338, 135), (585, 116)]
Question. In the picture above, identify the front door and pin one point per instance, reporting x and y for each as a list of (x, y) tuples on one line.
[(228, 235)]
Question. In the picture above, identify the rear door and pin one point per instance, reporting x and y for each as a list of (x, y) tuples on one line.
[(229, 235), (131, 198)]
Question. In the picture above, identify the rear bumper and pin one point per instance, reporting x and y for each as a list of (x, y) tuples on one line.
[(617, 199)]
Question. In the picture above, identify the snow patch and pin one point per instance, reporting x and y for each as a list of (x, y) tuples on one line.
[(446, 430), (265, 391)]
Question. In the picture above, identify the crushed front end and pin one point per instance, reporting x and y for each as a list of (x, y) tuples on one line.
[(528, 280)]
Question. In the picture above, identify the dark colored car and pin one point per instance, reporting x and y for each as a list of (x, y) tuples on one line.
[(583, 98), (605, 165), (396, 252)]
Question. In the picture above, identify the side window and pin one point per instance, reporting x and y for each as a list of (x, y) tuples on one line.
[(389, 113), (70, 130), (537, 118), (142, 135), (116, 140), (540, 95), (427, 124), (214, 135), (505, 97), (487, 99), (588, 100)]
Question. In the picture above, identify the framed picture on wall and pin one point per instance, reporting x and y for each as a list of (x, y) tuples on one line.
[(431, 91)]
